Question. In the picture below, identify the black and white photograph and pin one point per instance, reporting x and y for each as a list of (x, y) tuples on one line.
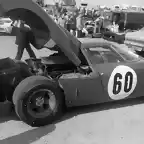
[(71, 72)]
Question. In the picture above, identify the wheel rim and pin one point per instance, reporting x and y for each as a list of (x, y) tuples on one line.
[(41, 103)]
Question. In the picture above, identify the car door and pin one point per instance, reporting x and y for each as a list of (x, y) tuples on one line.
[(82, 89), (104, 61)]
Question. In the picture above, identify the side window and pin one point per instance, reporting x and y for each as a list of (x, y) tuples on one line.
[(99, 55), (95, 56), (110, 56)]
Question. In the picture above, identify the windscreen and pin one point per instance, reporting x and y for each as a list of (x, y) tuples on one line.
[(127, 53)]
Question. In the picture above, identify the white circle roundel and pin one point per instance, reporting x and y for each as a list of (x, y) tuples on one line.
[(122, 82)]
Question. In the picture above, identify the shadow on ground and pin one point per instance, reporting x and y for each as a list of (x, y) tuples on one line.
[(26, 137), (12, 116), (35, 134), (29, 136), (100, 107), (74, 111)]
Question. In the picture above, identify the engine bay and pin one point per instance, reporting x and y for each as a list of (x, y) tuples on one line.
[(53, 67), (52, 71)]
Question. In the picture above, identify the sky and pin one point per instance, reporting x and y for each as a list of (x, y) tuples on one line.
[(108, 2), (113, 2)]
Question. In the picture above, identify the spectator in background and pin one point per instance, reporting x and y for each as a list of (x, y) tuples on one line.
[(58, 8), (55, 18), (62, 20), (98, 24), (93, 11), (80, 24), (73, 24), (115, 23), (69, 22)]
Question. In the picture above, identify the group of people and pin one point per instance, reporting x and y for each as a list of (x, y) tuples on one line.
[(73, 22)]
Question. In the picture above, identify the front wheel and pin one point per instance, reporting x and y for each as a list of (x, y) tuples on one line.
[(38, 101)]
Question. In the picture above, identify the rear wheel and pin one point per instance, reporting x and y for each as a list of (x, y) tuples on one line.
[(38, 101)]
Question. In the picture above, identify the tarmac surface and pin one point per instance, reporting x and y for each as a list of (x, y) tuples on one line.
[(121, 122)]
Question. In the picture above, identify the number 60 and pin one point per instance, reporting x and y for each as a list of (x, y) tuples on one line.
[(128, 81)]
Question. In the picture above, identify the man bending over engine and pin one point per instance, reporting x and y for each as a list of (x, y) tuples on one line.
[(24, 37)]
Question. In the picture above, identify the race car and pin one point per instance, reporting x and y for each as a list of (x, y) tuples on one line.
[(88, 71), (135, 38)]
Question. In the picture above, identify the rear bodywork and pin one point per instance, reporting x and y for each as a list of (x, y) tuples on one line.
[(11, 74)]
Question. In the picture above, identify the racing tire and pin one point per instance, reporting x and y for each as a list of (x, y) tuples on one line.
[(27, 106)]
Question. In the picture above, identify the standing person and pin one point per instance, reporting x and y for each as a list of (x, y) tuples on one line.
[(116, 22), (98, 24), (24, 36), (79, 23), (93, 11), (73, 25), (56, 19), (62, 20), (69, 22)]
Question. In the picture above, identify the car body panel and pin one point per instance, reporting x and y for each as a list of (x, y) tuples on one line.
[(107, 69), (27, 9), (135, 38), (93, 88), (82, 89)]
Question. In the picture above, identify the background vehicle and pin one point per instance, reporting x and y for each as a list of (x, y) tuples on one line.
[(127, 19), (135, 40), (5, 24)]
